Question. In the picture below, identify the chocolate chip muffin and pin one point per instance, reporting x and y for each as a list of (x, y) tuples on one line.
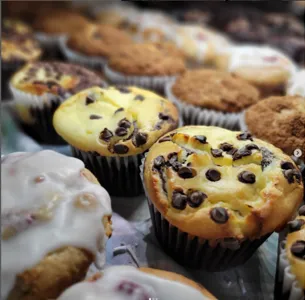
[(110, 129), (93, 45), (145, 65), (215, 195), (281, 122), (210, 97), (40, 87)]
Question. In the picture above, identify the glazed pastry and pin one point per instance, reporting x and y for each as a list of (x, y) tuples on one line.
[(40, 87), (296, 84), (126, 282), (56, 214), (281, 122), (220, 193), (112, 127)]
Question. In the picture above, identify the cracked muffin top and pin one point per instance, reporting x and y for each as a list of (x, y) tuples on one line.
[(115, 121), (214, 183)]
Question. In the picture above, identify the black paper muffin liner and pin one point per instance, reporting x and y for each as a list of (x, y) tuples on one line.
[(7, 71), (118, 175)]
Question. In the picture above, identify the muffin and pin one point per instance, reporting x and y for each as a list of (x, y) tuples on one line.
[(296, 84), (110, 129), (266, 68), (40, 87), (127, 282), (145, 65), (281, 122), (55, 220), (18, 47), (216, 195), (93, 45), (210, 97), (291, 263)]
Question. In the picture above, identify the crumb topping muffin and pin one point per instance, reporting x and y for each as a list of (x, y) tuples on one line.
[(145, 59), (281, 122), (98, 40), (114, 121), (215, 90), (56, 214), (296, 84), (127, 282), (214, 183)]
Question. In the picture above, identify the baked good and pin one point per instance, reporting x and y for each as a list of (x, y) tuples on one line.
[(40, 87), (211, 97), (221, 193), (126, 282), (145, 65), (110, 129), (55, 220), (296, 84), (281, 122)]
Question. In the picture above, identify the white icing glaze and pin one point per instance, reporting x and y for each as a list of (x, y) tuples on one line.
[(128, 283), (258, 57), (40, 203), (296, 84)]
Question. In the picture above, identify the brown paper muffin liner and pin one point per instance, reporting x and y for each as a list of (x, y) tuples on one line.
[(286, 286), (195, 252), (155, 83), (193, 115), (118, 175)]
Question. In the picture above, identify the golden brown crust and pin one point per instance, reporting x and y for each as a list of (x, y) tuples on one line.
[(215, 90), (281, 122), (145, 59), (52, 275), (98, 40)]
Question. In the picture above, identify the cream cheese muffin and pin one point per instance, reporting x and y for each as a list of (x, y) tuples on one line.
[(296, 84), (55, 220), (266, 68), (40, 87), (111, 128), (215, 195), (126, 282)]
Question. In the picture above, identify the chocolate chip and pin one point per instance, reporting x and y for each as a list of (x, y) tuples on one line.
[(201, 139), (164, 117), (292, 175), (216, 152), (267, 157), (185, 172), (123, 89), (295, 225), (196, 198), (124, 123), (244, 136), (226, 147), (159, 161), (246, 177), (232, 151), (120, 149), (302, 210), (287, 165), (140, 139), (118, 110), (89, 100), (251, 147), (172, 157), (165, 139), (213, 175), (179, 200), (120, 131), (241, 153), (176, 165), (219, 215), (139, 97), (298, 249), (95, 117), (106, 135)]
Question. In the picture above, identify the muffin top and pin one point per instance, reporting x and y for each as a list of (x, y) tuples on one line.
[(296, 84), (145, 59), (215, 183), (281, 122), (46, 194), (295, 247), (55, 78), (60, 21), (114, 121), (129, 283), (98, 40), (215, 90)]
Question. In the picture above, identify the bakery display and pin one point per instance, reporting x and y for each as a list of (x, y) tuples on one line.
[(55, 221)]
